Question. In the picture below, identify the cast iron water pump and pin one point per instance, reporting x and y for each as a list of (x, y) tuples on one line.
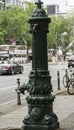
[(40, 100)]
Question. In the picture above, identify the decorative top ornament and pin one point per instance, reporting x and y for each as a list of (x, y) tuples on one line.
[(39, 3), (39, 12)]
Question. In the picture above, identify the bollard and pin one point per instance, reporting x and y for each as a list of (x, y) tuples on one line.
[(58, 80), (18, 92)]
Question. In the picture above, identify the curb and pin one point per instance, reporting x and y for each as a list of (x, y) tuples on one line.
[(23, 105), (57, 92), (12, 106)]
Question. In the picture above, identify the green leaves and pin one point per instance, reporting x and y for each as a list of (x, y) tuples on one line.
[(14, 22), (57, 26)]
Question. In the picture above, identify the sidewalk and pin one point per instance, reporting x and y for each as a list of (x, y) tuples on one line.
[(63, 107)]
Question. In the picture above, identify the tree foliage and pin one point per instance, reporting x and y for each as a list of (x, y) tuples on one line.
[(14, 23), (58, 26), (71, 23)]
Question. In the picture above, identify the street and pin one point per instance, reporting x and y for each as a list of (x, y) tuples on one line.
[(8, 83)]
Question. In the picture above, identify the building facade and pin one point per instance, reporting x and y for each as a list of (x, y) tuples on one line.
[(12, 2), (53, 9)]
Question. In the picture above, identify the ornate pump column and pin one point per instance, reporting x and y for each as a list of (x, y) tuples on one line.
[(40, 101)]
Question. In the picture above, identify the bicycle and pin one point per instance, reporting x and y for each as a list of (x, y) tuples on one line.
[(68, 82), (72, 75), (70, 87), (67, 78)]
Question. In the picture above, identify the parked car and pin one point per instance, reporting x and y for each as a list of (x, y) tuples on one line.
[(71, 61), (11, 68)]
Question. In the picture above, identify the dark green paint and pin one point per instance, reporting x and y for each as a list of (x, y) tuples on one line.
[(40, 100)]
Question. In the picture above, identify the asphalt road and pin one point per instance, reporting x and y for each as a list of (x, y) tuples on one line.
[(8, 83)]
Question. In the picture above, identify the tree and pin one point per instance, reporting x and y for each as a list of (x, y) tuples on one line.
[(57, 26), (71, 23), (14, 23)]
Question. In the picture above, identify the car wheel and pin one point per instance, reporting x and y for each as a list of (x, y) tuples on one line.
[(12, 72), (21, 70)]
